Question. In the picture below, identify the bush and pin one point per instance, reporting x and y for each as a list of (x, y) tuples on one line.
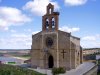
[(59, 70)]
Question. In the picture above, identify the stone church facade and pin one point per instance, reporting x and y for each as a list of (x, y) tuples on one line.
[(52, 47)]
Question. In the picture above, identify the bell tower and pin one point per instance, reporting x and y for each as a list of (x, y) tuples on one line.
[(50, 20)]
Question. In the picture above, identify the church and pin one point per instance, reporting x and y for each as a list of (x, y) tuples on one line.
[(52, 47)]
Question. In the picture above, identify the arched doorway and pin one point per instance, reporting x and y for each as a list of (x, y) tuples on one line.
[(50, 62)]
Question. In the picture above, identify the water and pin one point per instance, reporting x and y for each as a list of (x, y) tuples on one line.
[(5, 60), (13, 61)]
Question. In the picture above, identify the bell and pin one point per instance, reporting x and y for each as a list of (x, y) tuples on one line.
[(47, 24), (53, 23)]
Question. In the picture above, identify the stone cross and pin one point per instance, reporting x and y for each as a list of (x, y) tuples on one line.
[(63, 52)]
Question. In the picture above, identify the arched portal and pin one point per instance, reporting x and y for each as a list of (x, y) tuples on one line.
[(50, 61)]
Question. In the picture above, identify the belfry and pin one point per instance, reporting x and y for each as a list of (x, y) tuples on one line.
[(50, 19)]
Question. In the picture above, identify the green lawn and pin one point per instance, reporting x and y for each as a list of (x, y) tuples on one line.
[(15, 70)]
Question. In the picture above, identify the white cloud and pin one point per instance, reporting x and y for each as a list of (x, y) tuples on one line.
[(11, 16), (90, 38), (19, 35), (91, 41), (75, 2), (67, 29), (38, 7), (90, 44), (27, 30), (35, 32), (17, 41), (13, 31)]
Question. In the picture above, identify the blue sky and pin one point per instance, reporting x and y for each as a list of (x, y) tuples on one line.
[(19, 19)]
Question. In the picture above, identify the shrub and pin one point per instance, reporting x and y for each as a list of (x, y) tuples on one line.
[(59, 70)]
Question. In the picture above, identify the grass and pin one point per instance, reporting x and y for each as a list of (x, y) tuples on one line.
[(11, 62), (15, 70)]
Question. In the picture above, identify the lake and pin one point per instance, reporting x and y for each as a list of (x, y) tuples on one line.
[(5, 60)]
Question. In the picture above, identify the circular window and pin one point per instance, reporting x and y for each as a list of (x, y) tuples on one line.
[(49, 42)]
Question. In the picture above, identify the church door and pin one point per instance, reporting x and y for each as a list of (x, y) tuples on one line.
[(50, 62)]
